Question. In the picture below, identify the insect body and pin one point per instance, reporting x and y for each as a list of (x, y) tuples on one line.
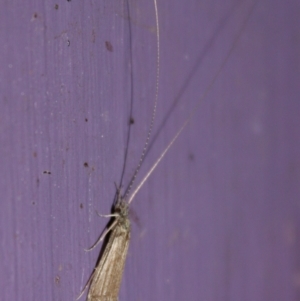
[(107, 276), (105, 281)]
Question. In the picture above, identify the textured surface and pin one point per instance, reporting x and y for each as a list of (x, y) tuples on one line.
[(219, 218)]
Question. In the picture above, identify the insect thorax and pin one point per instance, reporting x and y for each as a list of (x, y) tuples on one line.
[(122, 208)]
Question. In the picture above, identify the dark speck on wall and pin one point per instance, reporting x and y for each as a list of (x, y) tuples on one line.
[(93, 36), (85, 164), (86, 120), (47, 172), (81, 205), (191, 157), (56, 6), (131, 120), (109, 46)]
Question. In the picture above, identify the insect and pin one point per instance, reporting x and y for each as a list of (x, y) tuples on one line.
[(105, 281), (107, 276)]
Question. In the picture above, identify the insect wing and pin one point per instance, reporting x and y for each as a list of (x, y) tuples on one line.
[(107, 277)]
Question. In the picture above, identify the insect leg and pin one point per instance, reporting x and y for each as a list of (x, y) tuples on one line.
[(102, 236)]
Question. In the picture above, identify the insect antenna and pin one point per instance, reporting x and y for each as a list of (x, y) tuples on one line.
[(146, 145), (198, 62), (131, 89), (195, 108)]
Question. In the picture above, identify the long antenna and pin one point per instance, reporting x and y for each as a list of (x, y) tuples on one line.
[(195, 107), (131, 96), (154, 107)]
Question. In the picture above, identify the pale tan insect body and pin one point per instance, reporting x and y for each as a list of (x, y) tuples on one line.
[(107, 276)]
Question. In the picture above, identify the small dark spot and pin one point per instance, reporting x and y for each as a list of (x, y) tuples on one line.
[(33, 203), (93, 36), (85, 164), (56, 6), (57, 280), (81, 205), (37, 182), (131, 120), (109, 46), (68, 43), (69, 0), (47, 172), (86, 120), (191, 157), (35, 15), (34, 154)]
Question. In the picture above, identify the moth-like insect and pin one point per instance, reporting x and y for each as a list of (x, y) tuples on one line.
[(105, 280), (107, 276)]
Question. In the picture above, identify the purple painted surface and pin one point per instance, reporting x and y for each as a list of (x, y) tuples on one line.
[(219, 218)]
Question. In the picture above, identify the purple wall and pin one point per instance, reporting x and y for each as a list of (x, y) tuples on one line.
[(219, 218)]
